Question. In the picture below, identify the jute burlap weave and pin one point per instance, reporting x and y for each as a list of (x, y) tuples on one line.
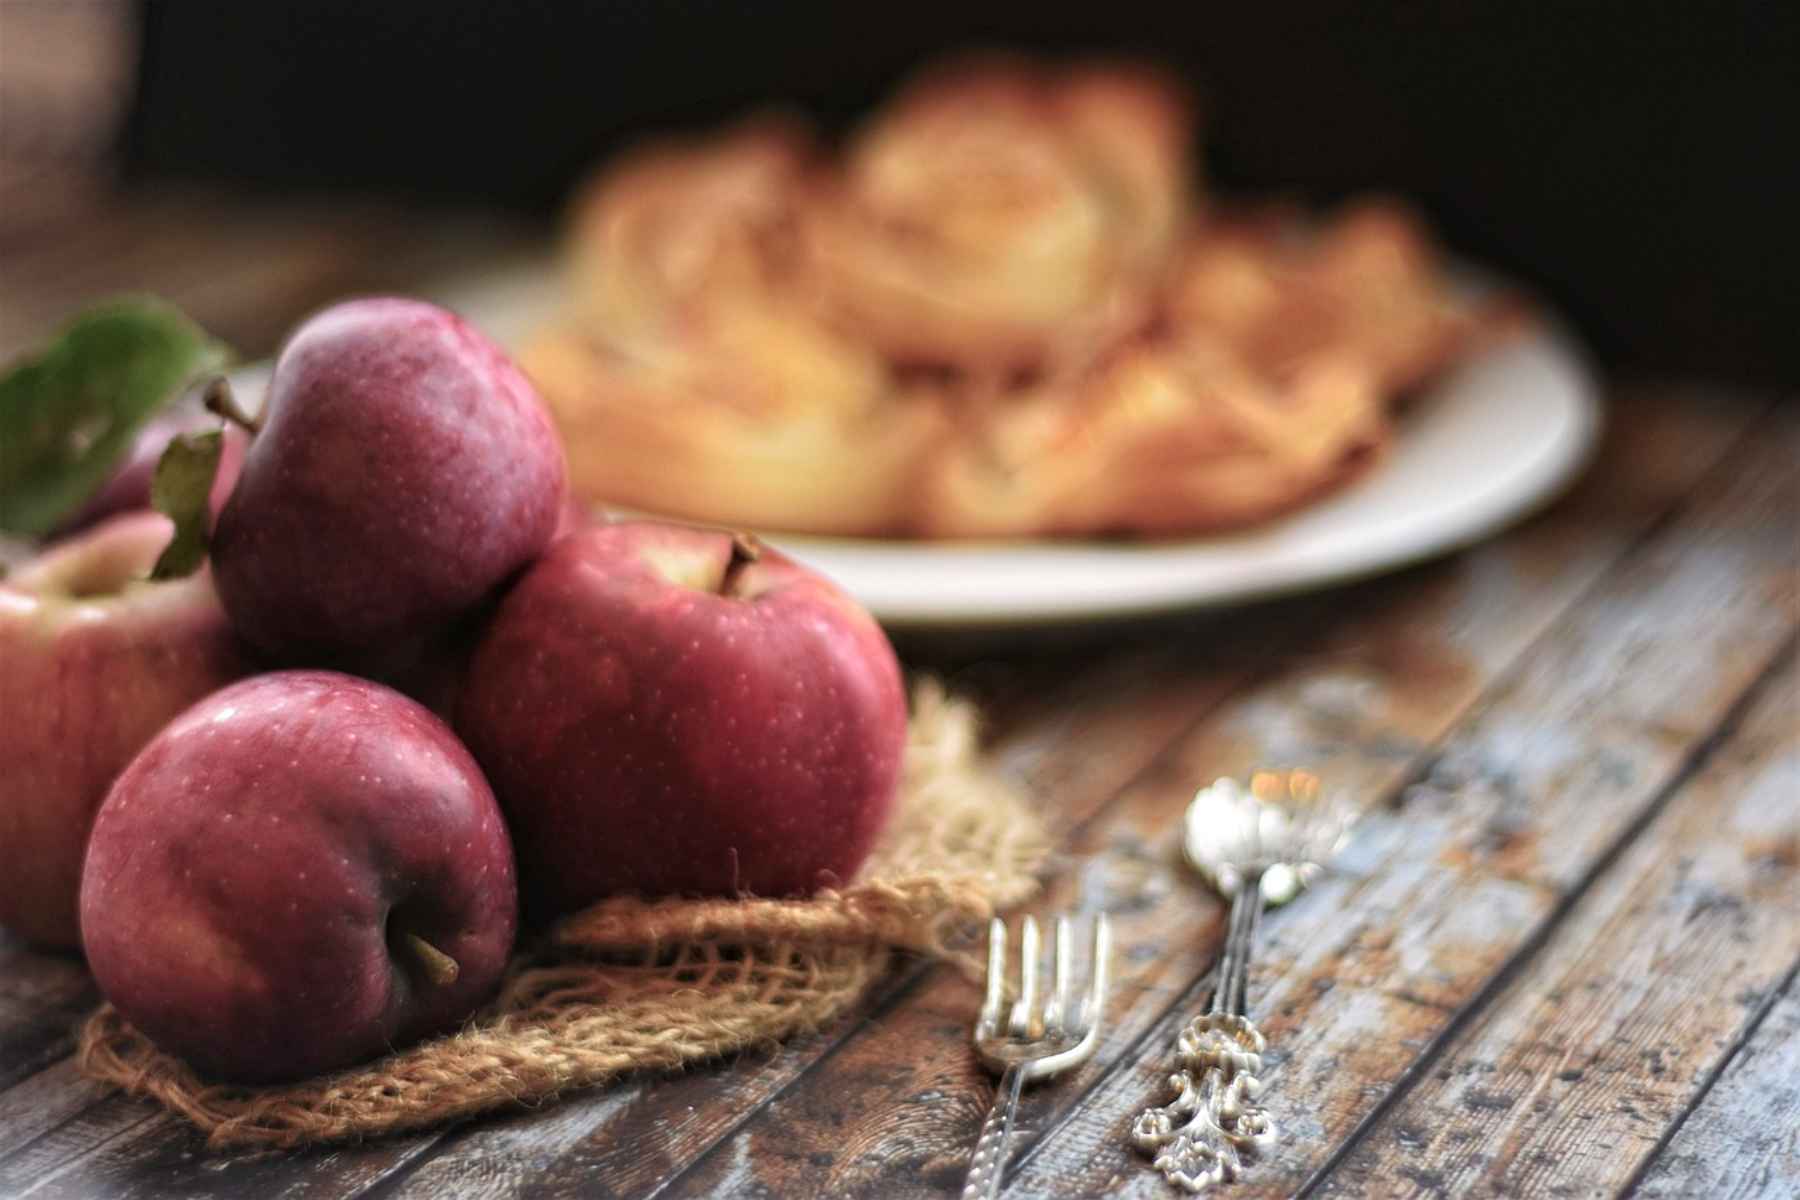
[(635, 985)]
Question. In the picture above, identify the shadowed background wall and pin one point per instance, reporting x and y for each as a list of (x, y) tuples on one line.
[(1639, 163)]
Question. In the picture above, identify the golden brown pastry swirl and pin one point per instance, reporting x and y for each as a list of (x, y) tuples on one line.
[(996, 217), (998, 311)]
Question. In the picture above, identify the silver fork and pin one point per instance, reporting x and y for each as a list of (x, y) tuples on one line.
[(1034, 1042)]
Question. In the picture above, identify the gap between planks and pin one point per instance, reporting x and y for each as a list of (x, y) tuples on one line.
[(818, 1119), (1033, 751), (1716, 1150), (391, 1182), (1770, 492), (685, 1180), (447, 1171), (1705, 769)]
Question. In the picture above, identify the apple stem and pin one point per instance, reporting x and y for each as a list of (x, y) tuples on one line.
[(745, 549), (439, 967), (221, 402)]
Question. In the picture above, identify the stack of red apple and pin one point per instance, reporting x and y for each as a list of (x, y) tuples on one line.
[(305, 867)]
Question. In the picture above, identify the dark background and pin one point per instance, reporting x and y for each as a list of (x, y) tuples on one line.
[(1638, 163)]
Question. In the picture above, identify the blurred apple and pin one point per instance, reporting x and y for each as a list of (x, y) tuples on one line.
[(667, 709), (301, 871), (94, 660), (128, 488), (403, 471), (575, 516)]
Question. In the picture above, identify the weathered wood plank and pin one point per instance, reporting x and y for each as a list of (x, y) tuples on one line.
[(1082, 750), (1567, 1079), (236, 298), (1743, 1140), (1675, 437), (47, 1099), (246, 272), (1127, 711), (123, 1147), (40, 201), (1556, 769), (891, 1113), (604, 1157), (42, 996), (621, 1161), (44, 1160)]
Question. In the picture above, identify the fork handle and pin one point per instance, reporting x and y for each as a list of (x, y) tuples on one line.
[(989, 1163)]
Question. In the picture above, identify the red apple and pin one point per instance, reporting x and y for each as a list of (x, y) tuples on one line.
[(574, 517), (435, 676), (128, 488), (665, 709), (300, 871), (404, 469), (94, 660)]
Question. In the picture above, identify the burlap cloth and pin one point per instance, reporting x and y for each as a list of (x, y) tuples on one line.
[(634, 985)]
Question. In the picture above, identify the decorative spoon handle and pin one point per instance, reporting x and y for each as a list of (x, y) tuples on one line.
[(1199, 1138), (1264, 842)]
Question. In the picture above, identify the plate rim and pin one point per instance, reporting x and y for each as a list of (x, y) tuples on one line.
[(1545, 481), (503, 296)]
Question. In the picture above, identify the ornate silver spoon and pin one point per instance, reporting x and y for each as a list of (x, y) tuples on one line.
[(1264, 843)]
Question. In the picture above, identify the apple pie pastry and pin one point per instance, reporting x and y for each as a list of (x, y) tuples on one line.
[(1001, 309)]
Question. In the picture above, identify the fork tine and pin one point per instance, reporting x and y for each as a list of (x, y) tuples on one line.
[(1023, 1012), (996, 975), (1056, 1010), (1036, 1044), (1097, 978)]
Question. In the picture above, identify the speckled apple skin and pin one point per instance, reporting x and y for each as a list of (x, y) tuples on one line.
[(649, 735), (405, 469), (246, 868), (84, 683)]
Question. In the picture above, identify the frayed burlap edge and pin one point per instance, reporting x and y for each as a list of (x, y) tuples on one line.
[(633, 985)]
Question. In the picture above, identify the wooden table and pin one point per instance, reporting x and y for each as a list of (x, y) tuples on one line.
[(1558, 959)]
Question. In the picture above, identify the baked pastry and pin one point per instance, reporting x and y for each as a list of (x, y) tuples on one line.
[(691, 379), (1172, 435), (996, 217), (1367, 281), (998, 311)]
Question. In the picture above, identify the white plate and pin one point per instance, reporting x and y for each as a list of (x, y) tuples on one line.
[(1485, 446)]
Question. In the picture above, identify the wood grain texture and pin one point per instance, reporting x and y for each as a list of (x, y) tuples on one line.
[(42, 997), (1082, 740), (632, 1143), (1127, 711), (889, 1115), (1567, 1079), (1742, 1142), (1567, 675), (1465, 876), (969, 1092), (45, 1100)]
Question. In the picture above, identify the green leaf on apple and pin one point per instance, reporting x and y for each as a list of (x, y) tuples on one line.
[(69, 412), (180, 490)]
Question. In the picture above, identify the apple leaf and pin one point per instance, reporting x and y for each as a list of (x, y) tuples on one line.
[(69, 412), (181, 490)]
